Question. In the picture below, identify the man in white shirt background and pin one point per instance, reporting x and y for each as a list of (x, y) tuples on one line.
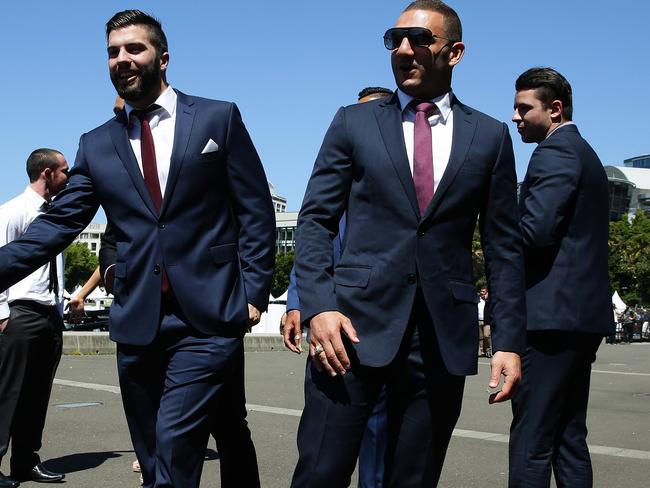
[(31, 326)]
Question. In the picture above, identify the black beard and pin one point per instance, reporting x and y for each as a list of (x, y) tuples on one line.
[(148, 80)]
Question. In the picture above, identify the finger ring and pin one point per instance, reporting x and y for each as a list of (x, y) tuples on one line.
[(318, 349), (297, 336)]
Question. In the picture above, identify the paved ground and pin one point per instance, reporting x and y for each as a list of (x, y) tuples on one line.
[(91, 443)]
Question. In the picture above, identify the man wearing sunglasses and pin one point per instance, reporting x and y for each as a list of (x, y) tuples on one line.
[(414, 174)]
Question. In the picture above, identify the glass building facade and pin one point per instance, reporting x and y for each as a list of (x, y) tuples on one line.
[(638, 162)]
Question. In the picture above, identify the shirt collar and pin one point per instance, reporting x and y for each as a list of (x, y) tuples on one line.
[(166, 100), (34, 197), (443, 102), (570, 122)]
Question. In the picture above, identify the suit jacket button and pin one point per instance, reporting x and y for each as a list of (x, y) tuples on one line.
[(411, 280), (161, 226), (421, 233), (156, 269)]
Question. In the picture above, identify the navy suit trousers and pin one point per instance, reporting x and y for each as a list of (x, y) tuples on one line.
[(549, 408), (419, 424), (172, 391)]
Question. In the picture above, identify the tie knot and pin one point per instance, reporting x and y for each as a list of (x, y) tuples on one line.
[(423, 106), (141, 114)]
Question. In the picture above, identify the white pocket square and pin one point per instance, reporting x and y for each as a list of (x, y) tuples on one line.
[(211, 146)]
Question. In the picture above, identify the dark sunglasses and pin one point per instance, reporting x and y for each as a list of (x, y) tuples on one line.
[(417, 36)]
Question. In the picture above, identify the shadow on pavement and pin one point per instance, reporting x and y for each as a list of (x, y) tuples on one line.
[(82, 461)]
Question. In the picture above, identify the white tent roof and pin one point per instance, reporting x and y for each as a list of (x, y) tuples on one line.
[(618, 303)]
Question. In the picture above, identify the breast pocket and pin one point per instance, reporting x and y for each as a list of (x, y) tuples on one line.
[(213, 157)]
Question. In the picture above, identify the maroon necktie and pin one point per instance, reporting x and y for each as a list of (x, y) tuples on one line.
[(150, 169), (148, 153), (422, 153)]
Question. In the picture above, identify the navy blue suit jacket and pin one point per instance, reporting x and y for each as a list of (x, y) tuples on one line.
[(564, 204), (214, 235), (390, 249)]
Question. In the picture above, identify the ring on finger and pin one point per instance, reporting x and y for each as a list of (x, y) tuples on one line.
[(318, 349)]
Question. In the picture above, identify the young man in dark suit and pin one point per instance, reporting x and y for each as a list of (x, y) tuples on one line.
[(564, 208), (185, 192), (413, 173)]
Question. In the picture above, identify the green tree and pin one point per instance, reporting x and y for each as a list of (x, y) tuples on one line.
[(478, 261), (629, 258), (80, 263), (283, 265)]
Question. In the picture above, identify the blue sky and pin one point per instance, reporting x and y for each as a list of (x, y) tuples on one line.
[(290, 64)]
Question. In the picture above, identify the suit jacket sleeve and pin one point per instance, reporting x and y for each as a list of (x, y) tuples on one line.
[(49, 234), (253, 209), (318, 222), (551, 183), (502, 247), (293, 302)]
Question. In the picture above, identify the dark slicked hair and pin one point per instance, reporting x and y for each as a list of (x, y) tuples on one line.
[(127, 18), (549, 85), (451, 21), (39, 160), (375, 90)]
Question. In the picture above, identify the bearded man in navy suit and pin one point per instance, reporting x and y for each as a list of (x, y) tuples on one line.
[(187, 198), (413, 174), (564, 204)]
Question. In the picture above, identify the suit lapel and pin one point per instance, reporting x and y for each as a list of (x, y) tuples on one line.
[(120, 136), (184, 121), (389, 118), (463, 134)]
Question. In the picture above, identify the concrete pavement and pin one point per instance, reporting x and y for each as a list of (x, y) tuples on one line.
[(86, 434)]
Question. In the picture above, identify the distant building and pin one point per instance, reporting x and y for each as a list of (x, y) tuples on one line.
[(91, 237), (279, 203), (629, 190), (285, 231), (638, 162)]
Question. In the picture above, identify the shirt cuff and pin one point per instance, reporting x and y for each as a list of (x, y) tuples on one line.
[(4, 311), (106, 272)]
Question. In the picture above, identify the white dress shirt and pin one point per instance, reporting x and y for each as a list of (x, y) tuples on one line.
[(15, 217), (442, 130), (481, 308), (162, 122)]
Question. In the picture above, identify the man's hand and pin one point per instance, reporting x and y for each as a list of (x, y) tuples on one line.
[(76, 307), (253, 316), (507, 364), (326, 345), (292, 331), (3, 324)]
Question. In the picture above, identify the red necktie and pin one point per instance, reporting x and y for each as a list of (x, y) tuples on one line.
[(422, 153), (150, 169)]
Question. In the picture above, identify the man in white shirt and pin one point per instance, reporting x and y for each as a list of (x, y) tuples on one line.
[(30, 327)]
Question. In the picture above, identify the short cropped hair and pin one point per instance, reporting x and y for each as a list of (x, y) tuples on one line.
[(451, 22), (127, 18), (375, 90), (39, 160), (549, 85)]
